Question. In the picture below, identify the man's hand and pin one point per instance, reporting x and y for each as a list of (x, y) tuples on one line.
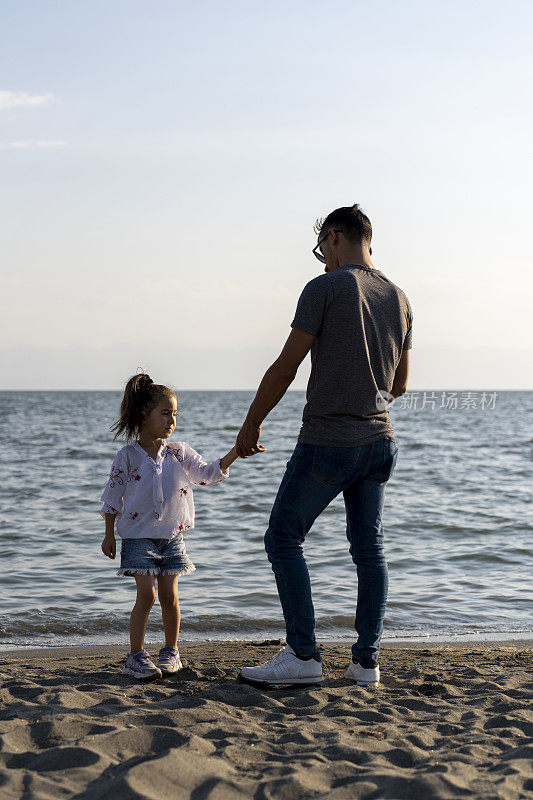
[(109, 546), (248, 440)]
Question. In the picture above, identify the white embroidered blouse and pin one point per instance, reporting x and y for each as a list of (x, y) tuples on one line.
[(153, 499)]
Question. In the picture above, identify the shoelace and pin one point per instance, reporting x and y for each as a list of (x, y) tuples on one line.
[(142, 658), (280, 655)]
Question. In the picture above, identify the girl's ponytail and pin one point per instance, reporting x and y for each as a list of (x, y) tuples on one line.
[(141, 395)]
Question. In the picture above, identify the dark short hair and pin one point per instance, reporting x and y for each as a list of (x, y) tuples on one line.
[(353, 222)]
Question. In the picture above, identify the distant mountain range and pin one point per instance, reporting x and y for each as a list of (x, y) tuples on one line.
[(439, 367)]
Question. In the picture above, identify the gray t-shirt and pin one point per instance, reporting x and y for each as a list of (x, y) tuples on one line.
[(361, 322)]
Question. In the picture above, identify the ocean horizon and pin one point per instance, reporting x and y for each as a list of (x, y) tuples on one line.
[(457, 522)]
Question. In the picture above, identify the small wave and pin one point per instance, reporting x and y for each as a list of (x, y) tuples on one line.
[(41, 626)]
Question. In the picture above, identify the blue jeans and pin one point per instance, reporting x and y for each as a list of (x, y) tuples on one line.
[(315, 475)]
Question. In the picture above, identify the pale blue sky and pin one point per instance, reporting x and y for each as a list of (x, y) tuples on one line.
[(162, 166)]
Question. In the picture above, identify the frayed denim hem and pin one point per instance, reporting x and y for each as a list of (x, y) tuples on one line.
[(128, 573)]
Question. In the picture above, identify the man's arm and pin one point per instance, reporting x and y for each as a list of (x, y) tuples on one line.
[(399, 385), (275, 383)]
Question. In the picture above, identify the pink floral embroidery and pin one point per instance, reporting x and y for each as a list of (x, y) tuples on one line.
[(132, 476), (202, 483), (184, 490), (172, 451), (114, 477)]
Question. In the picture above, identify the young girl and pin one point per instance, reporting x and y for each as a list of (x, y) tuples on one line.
[(149, 493)]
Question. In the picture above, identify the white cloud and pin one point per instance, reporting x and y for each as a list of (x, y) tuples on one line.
[(23, 99), (31, 145)]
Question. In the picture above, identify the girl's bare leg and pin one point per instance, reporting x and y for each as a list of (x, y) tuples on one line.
[(167, 588), (141, 609)]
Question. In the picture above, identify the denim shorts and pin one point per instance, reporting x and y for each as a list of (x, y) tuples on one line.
[(155, 556)]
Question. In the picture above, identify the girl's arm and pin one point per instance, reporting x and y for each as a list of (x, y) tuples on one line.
[(112, 496), (227, 460), (202, 472), (110, 525), (109, 545), (113, 503)]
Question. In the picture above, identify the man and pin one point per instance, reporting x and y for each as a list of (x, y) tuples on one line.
[(358, 325)]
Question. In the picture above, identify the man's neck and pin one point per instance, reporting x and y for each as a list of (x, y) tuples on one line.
[(354, 256)]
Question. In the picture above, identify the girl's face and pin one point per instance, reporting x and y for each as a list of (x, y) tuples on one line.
[(161, 420)]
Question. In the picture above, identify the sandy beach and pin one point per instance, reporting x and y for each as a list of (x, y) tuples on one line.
[(447, 721)]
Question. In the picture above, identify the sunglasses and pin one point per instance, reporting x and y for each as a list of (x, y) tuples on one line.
[(315, 249)]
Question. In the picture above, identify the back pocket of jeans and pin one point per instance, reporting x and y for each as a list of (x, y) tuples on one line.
[(334, 465), (389, 459)]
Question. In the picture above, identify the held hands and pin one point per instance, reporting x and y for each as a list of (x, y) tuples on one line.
[(109, 546), (247, 443)]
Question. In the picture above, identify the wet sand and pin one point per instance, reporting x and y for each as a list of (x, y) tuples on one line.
[(448, 720)]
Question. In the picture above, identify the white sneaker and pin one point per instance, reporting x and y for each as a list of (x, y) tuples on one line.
[(141, 666), (362, 676), (285, 668), (169, 660)]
